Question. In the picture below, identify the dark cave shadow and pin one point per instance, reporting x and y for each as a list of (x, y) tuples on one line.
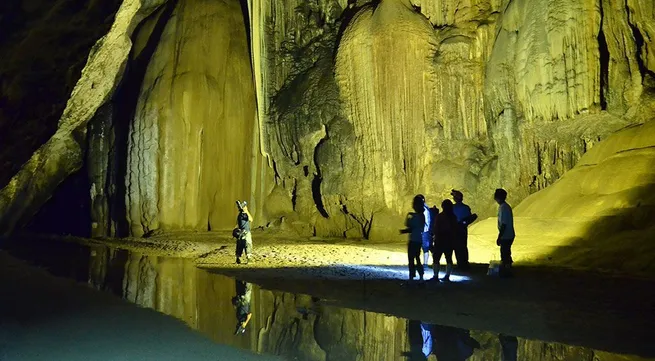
[(638, 221)]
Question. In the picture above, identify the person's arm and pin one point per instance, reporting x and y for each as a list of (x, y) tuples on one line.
[(407, 228), (503, 225), (250, 217)]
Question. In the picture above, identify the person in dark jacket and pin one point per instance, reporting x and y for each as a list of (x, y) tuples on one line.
[(445, 232)]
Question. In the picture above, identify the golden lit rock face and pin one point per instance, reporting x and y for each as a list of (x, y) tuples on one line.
[(597, 216), (472, 95), (384, 73), (190, 149), (359, 107)]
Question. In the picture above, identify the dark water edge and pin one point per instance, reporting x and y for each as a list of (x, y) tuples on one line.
[(294, 326)]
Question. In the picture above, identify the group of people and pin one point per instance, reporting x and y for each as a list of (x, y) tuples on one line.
[(445, 232)]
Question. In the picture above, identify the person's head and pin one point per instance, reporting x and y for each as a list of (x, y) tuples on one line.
[(500, 195), (447, 206), (457, 196), (417, 203)]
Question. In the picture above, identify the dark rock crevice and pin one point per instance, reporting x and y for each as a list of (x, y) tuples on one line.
[(639, 44), (318, 178), (604, 56)]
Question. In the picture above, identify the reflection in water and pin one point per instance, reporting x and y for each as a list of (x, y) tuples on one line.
[(241, 303), (510, 345), (299, 327)]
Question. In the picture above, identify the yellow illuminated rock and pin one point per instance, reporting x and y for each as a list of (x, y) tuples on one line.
[(190, 146), (599, 215), (329, 115)]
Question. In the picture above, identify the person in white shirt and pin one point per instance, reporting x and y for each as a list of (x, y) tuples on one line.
[(506, 233), (426, 236)]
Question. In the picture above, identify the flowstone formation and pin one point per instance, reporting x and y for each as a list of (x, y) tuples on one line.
[(329, 115), (414, 98), (188, 151)]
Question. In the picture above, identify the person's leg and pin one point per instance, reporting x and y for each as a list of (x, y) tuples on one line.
[(248, 246), (419, 266), (410, 258), (426, 248), (506, 257), (505, 253), (436, 260), (449, 263), (465, 250), (239, 250)]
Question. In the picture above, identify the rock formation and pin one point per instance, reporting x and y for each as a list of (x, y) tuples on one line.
[(329, 115), (598, 215), (63, 153)]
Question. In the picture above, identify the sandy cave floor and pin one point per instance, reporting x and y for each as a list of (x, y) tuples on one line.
[(600, 311)]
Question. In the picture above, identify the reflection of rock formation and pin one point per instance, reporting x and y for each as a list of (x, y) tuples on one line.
[(299, 326)]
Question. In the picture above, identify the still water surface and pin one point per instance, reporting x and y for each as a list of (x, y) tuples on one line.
[(294, 326)]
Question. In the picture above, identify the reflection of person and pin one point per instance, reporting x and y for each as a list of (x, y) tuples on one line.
[(415, 224), (426, 332), (444, 236), (464, 218), (241, 302), (452, 344), (505, 230), (509, 346), (242, 232)]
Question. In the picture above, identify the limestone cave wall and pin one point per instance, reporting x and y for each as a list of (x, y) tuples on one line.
[(327, 115), (363, 105), (185, 145)]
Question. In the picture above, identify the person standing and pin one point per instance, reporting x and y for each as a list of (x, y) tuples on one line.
[(415, 224), (445, 228), (464, 218), (506, 233), (242, 232), (426, 236)]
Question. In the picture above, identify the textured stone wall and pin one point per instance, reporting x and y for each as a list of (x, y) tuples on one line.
[(190, 144), (339, 111), (395, 98), (185, 145)]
